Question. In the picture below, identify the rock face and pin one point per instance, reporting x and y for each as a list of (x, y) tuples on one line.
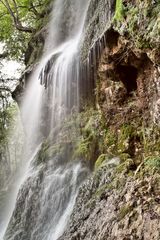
[(122, 201), (98, 20), (120, 52), (116, 207), (127, 74)]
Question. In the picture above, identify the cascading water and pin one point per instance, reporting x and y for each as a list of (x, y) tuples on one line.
[(47, 190)]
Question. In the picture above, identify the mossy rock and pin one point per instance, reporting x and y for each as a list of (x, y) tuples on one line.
[(110, 140), (81, 149), (142, 22), (126, 166), (101, 159), (124, 210), (101, 190), (153, 163), (123, 157), (126, 135)]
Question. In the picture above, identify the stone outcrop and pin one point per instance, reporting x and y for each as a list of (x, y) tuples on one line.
[(120, 52), (127, 74), (112, 205), (121, 198), (98, 20)]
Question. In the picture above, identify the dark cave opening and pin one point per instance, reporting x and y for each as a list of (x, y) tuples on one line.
[(111, 37), (128, 75)]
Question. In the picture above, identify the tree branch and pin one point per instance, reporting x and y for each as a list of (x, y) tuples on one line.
[(16, 9), (15, 18), (34, 9)]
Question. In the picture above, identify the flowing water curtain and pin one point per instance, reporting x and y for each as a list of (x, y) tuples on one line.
[(61, 74), (49, 187)]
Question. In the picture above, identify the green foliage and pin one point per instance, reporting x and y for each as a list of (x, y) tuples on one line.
[(110, 140), (125, 133), (119, 10), (117, 141), (124, 210), (142, 22), (91, 131), (48, 151), (123, 157), (11, 141), (125, 166), (6, 118), (16, 41), (82, 149), (153, 162), (100, 160), (150, 140), (80, 133)]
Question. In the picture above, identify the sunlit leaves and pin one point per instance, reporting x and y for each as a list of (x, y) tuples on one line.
[(29, 13)]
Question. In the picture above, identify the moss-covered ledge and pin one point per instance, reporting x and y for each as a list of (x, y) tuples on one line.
[(139, 21)]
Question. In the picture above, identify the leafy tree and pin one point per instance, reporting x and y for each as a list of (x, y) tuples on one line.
[(19, 19), (10, 132), (11, 136), (5, 123)]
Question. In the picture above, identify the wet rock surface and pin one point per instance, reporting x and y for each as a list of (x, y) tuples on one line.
[(122, 202), (98, 20), (120, 207)]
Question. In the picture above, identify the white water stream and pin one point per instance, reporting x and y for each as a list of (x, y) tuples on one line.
[(44, 196)]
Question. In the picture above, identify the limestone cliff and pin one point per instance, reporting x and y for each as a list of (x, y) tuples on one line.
[(119, 131), (121, 198)]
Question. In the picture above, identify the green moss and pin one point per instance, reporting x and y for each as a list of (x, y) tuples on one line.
[(79, 132), (125, 166), (124, 210), (101, 190), (150, 140), (119, 12), (110, 140), (41, 157), (123, 157), (153, 162), (133, 17), (124, 134), (127, 130), (100, 160), (87, 137), (116, 141), (91, 131), (82, 149), (142, 23)]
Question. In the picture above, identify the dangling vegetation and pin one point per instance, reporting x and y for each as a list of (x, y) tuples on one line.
[(119, 10)]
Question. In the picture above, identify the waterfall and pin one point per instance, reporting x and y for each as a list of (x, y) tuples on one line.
[(45, 192)]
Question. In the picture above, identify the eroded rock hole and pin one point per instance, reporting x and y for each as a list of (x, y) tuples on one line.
[(111, 37), (128, 76)]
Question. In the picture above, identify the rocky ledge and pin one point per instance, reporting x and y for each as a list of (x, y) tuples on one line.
[(117, 204)]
